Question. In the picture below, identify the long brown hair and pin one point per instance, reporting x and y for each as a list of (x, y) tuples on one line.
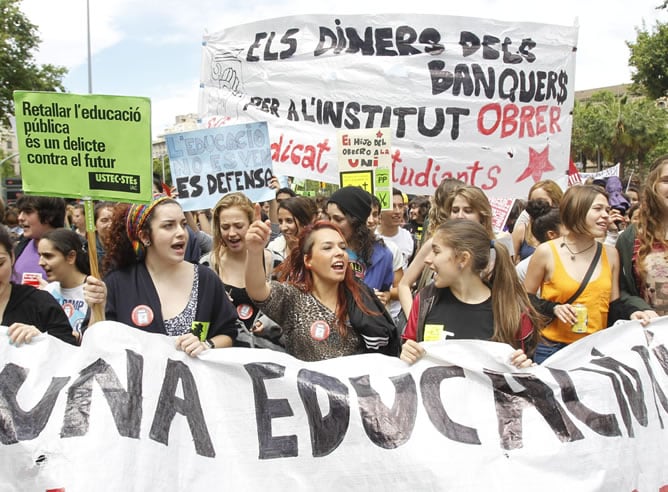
[(509, 298), (437, 211), (294, 271), (652, 213)]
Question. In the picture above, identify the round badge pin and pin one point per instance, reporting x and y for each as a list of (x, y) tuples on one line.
[(68, 307), (244, 311), (142, 315), (320, 330)]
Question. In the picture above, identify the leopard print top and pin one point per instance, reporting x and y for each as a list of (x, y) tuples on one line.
[(309, 328)]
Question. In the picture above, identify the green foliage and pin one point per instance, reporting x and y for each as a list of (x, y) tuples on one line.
[(7, 168), (626, 129), (649, 57), (18, 70)]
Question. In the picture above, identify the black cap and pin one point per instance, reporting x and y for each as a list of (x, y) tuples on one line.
[(354, 201)]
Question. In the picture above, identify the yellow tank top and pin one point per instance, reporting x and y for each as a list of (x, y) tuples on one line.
[(596, 296)]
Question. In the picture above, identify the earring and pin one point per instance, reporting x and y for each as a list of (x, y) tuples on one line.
[(147, 244)]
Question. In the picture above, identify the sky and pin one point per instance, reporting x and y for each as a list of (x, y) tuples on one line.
[(153, 48)]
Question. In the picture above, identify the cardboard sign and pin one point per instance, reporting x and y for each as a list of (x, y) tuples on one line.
[(85, 146), (367, 153), (210, 163)]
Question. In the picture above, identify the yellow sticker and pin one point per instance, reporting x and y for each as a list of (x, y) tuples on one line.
[(200, 329), (433, 333)]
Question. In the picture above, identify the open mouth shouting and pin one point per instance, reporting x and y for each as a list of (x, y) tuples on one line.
[(339, 266), (179, 248)]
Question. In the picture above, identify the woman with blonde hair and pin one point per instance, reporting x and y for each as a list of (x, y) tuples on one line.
[(232, 216), (643, 247), (437, 210), (470, 202)]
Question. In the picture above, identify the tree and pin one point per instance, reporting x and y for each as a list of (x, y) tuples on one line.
[(649, 57), (626, 129), (18, 69)]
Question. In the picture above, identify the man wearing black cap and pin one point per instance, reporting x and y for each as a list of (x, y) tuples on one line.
[(349, 208)]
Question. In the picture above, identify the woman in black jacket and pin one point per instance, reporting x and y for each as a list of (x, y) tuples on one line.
[(26, 310)]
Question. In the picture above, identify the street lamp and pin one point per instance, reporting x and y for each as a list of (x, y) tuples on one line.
[(90, 68), (8, 158)]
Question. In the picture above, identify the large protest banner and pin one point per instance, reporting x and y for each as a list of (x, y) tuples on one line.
[(126, 411), (210, 163), (485, 101), (85, 146)]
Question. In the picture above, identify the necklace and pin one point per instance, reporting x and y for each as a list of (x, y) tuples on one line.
[(573, 253)]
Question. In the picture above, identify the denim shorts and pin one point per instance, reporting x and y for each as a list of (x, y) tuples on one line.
[(546, 349)]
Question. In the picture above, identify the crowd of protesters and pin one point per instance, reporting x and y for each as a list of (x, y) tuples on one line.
[(334, 276)]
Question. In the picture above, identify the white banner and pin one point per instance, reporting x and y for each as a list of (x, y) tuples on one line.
[(485, 101), (605, 173), (126, 411)]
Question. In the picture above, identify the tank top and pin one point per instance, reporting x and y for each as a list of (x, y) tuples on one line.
[(596, 296)]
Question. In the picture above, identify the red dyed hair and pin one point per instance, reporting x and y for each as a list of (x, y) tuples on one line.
[(294, 271)]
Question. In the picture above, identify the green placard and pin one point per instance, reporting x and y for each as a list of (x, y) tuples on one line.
[(85, 146)]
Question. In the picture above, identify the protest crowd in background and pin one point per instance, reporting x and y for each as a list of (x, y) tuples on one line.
[(324, 278)]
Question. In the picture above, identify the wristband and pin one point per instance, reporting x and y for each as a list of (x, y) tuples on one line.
[(209, 343)]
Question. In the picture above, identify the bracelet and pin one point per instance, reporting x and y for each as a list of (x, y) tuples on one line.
[(209, 343)]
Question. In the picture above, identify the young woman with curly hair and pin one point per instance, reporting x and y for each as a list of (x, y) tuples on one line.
[(150, 285)]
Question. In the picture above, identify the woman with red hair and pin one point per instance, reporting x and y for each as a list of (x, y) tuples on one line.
[(323, 310)]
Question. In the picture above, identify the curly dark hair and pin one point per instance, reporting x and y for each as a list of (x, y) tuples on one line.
[(117, 246)]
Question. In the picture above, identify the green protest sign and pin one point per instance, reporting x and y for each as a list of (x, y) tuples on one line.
[(85, 146)]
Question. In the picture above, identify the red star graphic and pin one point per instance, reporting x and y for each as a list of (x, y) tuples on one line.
[(538, 164), (379, 134)]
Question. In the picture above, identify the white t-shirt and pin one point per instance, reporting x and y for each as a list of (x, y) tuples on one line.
[(404, 241), (394, 307), (72, 302)]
